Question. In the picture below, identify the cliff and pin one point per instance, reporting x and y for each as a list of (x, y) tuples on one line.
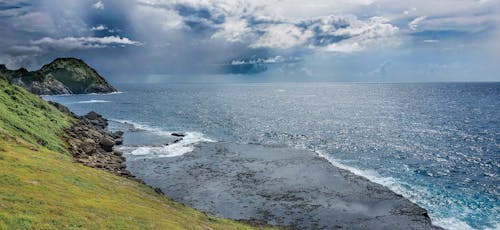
[(61, 76)]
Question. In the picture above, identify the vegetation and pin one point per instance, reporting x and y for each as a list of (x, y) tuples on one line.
[(26, 116), (61, 76), (42, 188)]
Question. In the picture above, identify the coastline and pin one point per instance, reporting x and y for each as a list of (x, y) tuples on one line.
[(278, 186), (282, 200)]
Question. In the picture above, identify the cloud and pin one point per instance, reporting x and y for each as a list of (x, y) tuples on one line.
[(282, 36), (82, 43), (98, 5), (206, 36), (99, 28), (431, 41), (271, 60), (413, 25), (24, 50), (233, 31), (260, 26)]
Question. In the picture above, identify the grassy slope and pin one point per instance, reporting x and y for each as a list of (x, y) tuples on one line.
[(42, 188)]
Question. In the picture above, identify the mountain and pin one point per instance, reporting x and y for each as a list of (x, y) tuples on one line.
[(61, 76)]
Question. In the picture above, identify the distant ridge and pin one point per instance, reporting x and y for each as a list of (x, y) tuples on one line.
[(61, 76)]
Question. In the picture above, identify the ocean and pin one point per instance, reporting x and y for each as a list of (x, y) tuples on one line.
[(437, 144)]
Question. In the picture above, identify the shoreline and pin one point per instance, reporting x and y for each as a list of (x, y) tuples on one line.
[(91, 144), (279, 186)]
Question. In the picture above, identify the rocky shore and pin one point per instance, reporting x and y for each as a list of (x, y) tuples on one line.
[(92, 145), (256, 184), (277, 186)]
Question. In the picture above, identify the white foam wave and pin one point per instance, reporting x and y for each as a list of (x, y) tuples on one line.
[(185, 145), (140, 126), (496, 226), (91, 101), (112, 93), (399, 188), (180, 148), (452, 223)]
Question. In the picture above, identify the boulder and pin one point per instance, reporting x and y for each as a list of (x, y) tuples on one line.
[(107, 144)]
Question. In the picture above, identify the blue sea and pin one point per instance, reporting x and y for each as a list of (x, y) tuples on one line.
[(437, 144)]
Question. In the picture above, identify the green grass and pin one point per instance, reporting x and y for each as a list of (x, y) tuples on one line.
[(42, 188), (25, 116)]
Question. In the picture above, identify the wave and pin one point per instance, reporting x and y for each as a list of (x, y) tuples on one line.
[(185, 145), (416, 194), (91, 101), (452, 223), (112, 93), (399, 188), (180, 148), (136, 126)]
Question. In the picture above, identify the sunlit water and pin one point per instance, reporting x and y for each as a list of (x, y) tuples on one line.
[(436, 144)]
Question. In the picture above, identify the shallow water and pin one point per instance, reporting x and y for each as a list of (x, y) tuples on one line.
[(436, 144)]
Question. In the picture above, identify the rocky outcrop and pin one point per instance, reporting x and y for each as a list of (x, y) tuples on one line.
[(62, 76), (92, 145)]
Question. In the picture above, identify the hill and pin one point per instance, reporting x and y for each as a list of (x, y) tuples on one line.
[(41, 187), (61, 76)]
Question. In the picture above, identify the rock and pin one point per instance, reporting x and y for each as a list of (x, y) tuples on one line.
[(93, 115), (90, 144), (62, 108), (107, 144), (278, 186), (118, 141), (117, 134), (178, 135)]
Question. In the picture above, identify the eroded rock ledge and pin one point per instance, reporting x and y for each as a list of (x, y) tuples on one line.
[(278, 186)]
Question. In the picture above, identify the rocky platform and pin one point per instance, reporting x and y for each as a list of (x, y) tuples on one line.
[(278, 186)]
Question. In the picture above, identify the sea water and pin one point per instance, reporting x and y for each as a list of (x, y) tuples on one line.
[(437, 144)]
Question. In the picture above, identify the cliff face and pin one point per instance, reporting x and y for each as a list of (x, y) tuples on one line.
[(62, 76)]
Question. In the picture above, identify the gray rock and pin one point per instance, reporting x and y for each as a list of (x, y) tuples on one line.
[(92, 115), (107, 144), (119, 141), (278, 186)]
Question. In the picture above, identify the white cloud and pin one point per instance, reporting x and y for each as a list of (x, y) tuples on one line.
[(413, 25), (262, 24), (79, 43), (271, 60), (282, 36), (99, 28), (233, 31), (459, 23), (344, 47), (431, 41), (98, 5)]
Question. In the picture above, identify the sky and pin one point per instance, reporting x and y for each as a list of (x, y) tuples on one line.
[(259, 40)]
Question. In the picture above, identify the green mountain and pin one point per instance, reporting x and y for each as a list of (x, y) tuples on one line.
[(61, 76)]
